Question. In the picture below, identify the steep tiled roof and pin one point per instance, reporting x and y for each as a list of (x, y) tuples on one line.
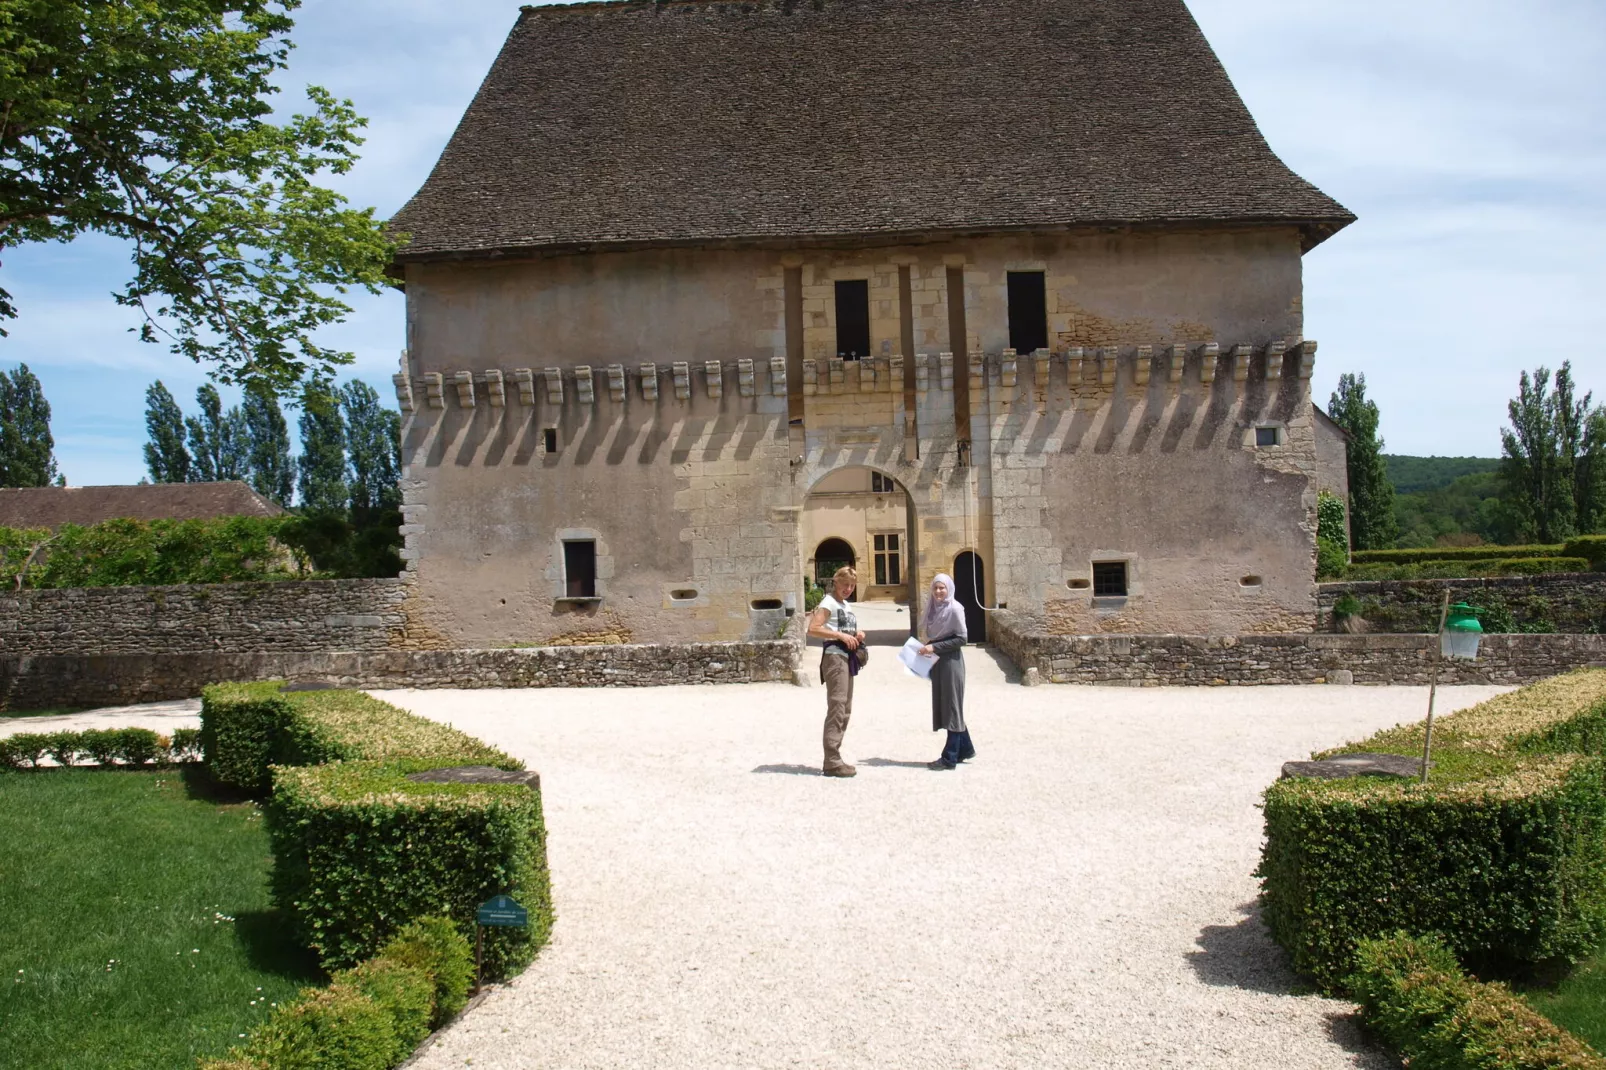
[(51, 507), (695, 121)]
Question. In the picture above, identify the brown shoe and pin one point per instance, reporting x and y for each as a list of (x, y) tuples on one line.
[(840, 770)]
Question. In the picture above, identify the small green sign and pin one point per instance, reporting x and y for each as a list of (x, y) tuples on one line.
[(503, 911)]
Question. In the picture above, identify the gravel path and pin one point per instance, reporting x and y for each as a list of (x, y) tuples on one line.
[(160, 717), (1080, 896)]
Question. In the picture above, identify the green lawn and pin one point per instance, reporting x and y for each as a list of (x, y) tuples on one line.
[(1578, 1004), (134, 922)]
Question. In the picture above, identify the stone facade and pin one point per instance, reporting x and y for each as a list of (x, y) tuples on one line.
[(1561, 602), (675, 408), (1168, 660)]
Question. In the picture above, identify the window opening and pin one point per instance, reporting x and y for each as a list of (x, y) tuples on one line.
[(853, 318), (881, 484), (550, 439), (888, 560), (1028, 311), (580, 569), (1265, 436), (1109, 579)]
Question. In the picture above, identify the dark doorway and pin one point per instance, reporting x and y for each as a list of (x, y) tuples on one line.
[(1028, 312), (829, 556), (853, 318), (580, 569), (970, 583)]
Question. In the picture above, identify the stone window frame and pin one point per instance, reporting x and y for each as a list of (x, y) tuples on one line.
[(555, 570), (1134, 584), (899, 555), (1252, 435)]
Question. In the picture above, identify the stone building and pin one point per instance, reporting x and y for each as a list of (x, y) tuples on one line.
[(684, 263)]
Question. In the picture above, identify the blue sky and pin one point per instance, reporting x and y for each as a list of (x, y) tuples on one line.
[(1469, 136)]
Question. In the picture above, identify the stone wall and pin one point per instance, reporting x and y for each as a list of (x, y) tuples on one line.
[(1156, 660), (1562, 602), (220, 618)]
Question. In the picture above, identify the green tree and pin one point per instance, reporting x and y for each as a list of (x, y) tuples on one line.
[(323, 451), (148, 120), (27, 449), (267, 446), (217, 439), (1551, 463), (1371, 495), (373, 449), (165, 455)]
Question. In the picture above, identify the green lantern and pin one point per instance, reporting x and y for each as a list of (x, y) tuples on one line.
[(1461, 631)]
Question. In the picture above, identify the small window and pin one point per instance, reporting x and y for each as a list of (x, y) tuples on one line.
[(1078, 583), (1249, 581), (853, 318), (1266, 436), (1109, 579), (580, 569), (765, 603), (1028, 312), (881, 484), (549, 439), (685, 594), (888, 559)]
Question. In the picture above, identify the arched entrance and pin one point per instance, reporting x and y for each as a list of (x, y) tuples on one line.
[(970, 583), (829, 556)]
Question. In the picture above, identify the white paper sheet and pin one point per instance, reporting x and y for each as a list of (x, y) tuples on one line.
[(918, 663)]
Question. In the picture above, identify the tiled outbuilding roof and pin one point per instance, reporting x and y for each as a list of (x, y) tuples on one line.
[(51, 507), (772, 121)]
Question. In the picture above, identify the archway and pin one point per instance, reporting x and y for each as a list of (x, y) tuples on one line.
[(830, 555), (970, 583)]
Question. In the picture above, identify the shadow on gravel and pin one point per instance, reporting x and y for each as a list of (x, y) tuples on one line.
[(1010, 670), (883, 763), (794, 770), (1244, 956)]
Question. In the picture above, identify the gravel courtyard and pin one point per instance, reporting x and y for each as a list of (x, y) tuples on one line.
[(1079, 896)]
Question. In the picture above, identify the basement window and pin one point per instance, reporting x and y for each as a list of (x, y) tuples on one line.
[(580, 569), (1028, 312), (852, 318), (1109, 579)]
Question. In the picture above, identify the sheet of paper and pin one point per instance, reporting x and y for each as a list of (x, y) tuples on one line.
[(918, 663)]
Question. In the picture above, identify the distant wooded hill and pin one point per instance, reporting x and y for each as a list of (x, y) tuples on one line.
[(1449, 498)]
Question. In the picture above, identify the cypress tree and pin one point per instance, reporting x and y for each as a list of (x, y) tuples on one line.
[(165, 455), (268, 465), (323, 450), (27, 449), (217, 439), (1371, 496)]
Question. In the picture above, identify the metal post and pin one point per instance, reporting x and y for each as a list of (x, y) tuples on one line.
[(1433, 687), (479, 955)]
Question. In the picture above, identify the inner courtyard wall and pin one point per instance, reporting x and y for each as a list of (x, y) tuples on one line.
[(664, 380)]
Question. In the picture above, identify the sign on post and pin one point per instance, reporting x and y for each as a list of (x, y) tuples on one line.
[(502, 911)]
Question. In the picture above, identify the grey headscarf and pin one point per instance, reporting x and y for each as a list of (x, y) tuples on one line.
[(942, 620)]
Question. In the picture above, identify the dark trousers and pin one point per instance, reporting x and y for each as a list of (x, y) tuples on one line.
[(958, 748)]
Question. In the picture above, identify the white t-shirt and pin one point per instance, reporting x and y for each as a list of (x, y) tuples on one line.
[(839, 617)]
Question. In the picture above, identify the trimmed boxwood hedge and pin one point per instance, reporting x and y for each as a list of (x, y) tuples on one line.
[(1415, 996), (359, 850), (105, 746), (1503, 853), (1416, 555), (1590, 547), (246, 728), (370, 1017)]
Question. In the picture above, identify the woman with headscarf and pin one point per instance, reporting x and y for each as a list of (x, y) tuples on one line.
[(942, 627)]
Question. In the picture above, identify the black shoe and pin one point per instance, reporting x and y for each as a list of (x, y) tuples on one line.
[(942, 763)]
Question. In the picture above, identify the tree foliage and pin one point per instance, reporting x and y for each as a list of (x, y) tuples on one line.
[(373, 449), (27, 449), (1371, 495), (1553, 464), (217, 439), (322, 462), (149, 120), (267, 446), (165, 456)]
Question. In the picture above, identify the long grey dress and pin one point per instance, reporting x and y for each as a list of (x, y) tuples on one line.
[(948, 684)]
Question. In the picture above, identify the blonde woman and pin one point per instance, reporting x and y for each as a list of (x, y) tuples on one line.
[(942, 626), (834, 622)]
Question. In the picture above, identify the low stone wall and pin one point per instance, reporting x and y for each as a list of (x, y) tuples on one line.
[(118, 679), (1156, 660), (214, 618), (1560, 602)]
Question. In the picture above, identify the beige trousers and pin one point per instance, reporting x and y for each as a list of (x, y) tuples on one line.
[(838, 706)]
